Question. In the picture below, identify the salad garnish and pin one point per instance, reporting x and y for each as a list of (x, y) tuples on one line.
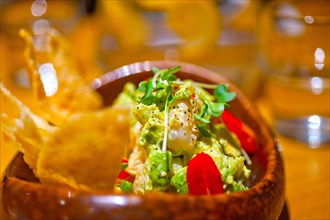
[(184, 139)]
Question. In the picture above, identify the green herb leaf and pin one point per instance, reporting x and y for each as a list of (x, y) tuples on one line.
[(222, 95), (147, 88), (169, 73), (123, 166), (126, 186), (171, 99), (201, 119), (160, 86), (155, 69), (216, 109), (143, 87), (203, 110), (213, 108)]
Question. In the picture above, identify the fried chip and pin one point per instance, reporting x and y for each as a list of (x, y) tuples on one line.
[(70, 139), (199, 24), (60, 89), (20, 125), (85, 152), (125, 22)]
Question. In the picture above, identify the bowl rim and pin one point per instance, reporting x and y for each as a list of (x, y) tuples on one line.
[(272, 180)]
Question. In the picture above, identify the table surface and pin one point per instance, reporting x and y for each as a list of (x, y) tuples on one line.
[(307, 173), (307, 180)]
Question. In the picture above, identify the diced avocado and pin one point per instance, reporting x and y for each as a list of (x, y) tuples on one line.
[(183, 92), (212, 147), (152, 134), (177, 163), (160, 163), (142, 112), (227, 140), (229, 149), (127, 96), (179, 181), (233, 172)]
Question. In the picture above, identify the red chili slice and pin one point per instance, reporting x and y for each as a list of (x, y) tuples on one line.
[(123, 174), (124, 161), (203, 176), (243, 132)]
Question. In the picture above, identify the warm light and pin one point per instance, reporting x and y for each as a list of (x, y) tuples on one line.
[(314, 131), (118, 200), (309, 19), (41, 43), (319, 57), (316, 85), (62, 202), (314, 122), (40, 26), (38, 8), (286, 25), (48, 78), (97, 83)]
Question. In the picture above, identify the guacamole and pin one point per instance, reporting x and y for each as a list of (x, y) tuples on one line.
[(172, 121)]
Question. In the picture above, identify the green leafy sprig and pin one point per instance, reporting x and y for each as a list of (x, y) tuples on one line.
[(211, 108), (158, 88), (126, 186)]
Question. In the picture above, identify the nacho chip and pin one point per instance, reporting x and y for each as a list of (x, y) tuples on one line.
[(60, 89), (85, 152), (198, 23), (20, 125), (125, 22), (8, 150)]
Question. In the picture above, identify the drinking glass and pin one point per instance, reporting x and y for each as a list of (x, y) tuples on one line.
[(294, 42)]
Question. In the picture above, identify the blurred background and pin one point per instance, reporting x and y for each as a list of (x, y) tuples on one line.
[(275, 51)]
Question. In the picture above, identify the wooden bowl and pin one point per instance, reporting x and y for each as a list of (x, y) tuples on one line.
[(24, 197)]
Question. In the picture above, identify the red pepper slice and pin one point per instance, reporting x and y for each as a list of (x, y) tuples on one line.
[(124, 161), (243, 132), (123, 174), (203, 176)]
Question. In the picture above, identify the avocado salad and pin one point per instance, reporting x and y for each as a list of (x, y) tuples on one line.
[(179, 140)]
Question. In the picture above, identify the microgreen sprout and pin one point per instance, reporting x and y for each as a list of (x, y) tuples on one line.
[(211, 108), (161, 86), (158, 88)]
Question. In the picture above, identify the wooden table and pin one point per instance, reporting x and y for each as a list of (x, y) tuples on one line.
[(307, 180), (307, 175)]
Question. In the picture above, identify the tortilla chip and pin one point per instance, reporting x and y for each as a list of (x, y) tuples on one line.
[(86, 152), (59, 87), (20, 125)]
